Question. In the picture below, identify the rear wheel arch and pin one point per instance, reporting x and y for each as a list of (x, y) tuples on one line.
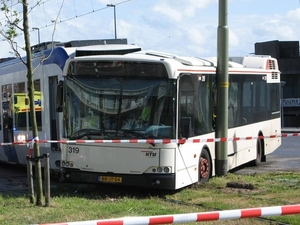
[(262, 141), (260, 151), (204, 165)]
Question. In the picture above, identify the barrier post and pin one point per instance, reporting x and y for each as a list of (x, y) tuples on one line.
[(47, 179), (30, 179)]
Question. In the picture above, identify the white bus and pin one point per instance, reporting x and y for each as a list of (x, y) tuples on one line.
[(124, 117)]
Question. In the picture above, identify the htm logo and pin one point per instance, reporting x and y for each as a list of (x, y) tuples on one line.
[(150, 154)]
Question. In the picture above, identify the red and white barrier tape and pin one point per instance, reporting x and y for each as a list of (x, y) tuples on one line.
[(15, 143), (194, 217), (155, 141)]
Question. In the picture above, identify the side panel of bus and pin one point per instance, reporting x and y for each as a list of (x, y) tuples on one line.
[(253, 110), (195, 121), (244, 151), (15, 119), (188, 158)]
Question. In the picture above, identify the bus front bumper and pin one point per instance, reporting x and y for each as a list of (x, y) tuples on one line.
[(157, 181)]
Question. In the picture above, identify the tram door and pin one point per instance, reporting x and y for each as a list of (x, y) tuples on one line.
[(7, 124), (54, 117)]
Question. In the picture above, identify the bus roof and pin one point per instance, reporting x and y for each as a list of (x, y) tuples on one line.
[(247, 62), (176, 65), (111, 49), (58, 57)]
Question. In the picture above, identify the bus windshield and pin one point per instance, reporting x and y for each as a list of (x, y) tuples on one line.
[(119, 108)]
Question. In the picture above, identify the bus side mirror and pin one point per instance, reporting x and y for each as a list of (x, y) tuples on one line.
[(59, 97), (186, 127)]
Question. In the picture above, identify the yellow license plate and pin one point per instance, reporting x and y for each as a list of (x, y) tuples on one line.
[(110, 179)]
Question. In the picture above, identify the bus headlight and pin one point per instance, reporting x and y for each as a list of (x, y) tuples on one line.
[(159, 169), (67, 164), (21, 138), (166, 169)]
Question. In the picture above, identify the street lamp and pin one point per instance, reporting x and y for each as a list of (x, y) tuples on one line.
[(38, 29), (111, 5)]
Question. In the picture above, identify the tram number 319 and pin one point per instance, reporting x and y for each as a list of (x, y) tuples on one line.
[(74, 150)]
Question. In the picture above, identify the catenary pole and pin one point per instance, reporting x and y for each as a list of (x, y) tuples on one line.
[(222, 90)]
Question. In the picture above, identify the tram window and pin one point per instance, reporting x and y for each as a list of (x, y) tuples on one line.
[(21, 106), (6, 113)]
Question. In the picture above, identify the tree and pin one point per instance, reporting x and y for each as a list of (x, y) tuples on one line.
[(9, 34), (10, 31)]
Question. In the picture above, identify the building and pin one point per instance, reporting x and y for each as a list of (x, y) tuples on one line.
[(287, 54)]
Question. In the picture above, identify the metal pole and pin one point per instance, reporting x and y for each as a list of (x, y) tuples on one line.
[(222, 90), (47, 179), (115, 22), (30, 179), (115, 19), (39, 37)]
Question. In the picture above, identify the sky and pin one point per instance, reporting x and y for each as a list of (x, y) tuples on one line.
[(181, 27)]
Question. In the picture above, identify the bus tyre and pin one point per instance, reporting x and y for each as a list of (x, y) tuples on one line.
[(259, 153), (204, 167)]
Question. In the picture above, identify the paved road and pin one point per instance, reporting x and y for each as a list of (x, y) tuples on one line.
[(285, 158), (13, 180)]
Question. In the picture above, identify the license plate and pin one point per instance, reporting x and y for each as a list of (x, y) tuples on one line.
[(110, 179)]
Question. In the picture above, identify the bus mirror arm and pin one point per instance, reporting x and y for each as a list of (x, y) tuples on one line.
[(59, 97)]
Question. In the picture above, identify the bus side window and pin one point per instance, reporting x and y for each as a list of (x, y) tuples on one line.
[(195, 112), (187, 100)]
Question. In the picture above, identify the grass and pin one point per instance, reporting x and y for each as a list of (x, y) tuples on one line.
[(73, 202)]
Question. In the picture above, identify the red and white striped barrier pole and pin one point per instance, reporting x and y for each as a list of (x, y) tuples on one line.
[(31, 146), (154, 141), (167, 141), (194, 217)]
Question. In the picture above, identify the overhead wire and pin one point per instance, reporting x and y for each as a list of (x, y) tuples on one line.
[(81, 15), (22, 11), (76, 16)]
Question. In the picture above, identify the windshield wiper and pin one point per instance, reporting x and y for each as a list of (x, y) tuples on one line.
[(86, 133), (138, 134), (113, 134)]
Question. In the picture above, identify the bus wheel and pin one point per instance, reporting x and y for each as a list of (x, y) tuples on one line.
[(257, 160), (204, 166)]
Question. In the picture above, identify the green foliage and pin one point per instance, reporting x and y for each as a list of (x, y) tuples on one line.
[(9, 30)]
